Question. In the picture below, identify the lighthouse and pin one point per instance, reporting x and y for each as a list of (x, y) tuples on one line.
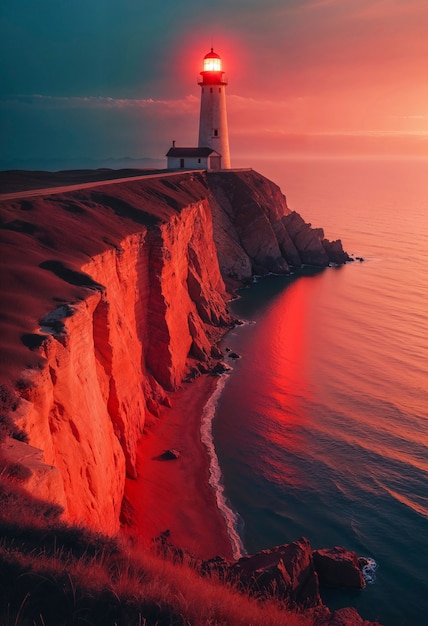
[(213, 131), (212, 152)]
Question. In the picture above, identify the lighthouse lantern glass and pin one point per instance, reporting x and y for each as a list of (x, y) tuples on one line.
[(212, 65)]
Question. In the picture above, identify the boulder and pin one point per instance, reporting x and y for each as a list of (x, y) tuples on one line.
[(234, 355), (220, 368), (286, 571), (338, 567), (170, 455)]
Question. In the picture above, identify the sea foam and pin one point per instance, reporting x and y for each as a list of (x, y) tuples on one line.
[(232, 518), (369, 569)]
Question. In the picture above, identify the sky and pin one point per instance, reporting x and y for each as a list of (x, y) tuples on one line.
[(92, 80)]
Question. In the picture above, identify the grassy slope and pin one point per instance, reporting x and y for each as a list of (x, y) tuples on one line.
[(53, 574)]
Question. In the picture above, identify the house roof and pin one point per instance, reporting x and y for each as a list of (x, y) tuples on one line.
[(191, 152)]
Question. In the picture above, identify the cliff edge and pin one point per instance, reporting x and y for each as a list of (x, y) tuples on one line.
[(112, 296)]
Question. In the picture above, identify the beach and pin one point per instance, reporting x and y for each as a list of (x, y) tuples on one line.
[(174, 494)]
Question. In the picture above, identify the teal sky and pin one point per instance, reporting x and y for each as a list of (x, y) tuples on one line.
[(100, 79)]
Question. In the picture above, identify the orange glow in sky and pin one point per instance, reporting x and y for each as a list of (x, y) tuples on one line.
[(332, 78), (321, 77)]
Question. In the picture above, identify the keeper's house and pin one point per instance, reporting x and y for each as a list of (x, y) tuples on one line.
[(193, 159)]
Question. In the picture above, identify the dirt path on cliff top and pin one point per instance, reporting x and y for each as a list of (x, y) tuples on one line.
[(70, 186), (20, 184)]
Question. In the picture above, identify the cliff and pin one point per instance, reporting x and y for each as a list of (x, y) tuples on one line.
[(121, 297)]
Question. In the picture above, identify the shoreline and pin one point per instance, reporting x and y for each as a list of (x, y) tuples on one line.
[(231, 518), (176, 495)]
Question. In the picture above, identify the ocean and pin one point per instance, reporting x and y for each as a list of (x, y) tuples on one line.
[(321, 429)]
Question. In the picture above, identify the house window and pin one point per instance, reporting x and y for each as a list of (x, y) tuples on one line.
[(181, 162), (199, 160), (211, 89), (215, 132)]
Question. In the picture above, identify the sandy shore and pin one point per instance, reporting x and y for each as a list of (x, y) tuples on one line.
[(175, 495)]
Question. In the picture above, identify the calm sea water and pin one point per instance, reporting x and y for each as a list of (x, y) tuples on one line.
[(321, 430)]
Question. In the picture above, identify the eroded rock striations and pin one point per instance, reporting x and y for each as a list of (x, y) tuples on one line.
[(256, 233), (121, 297)]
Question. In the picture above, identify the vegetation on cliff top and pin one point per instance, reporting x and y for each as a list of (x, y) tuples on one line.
[(54, 574)]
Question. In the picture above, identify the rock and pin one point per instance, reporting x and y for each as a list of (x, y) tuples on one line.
[(23, 462), (193, 373), (308, 240), (216, 352), (220, 368), (348, 617), (338, 567), (287, 571), (247, 209), (335, 252), (170, 455), (234, 355)]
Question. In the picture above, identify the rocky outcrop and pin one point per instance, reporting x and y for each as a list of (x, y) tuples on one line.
[(121, 297), (286, 571), (256, 233), (338, 567), (293, 573), (312, 246)]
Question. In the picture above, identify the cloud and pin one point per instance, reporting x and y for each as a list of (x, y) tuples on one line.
[(189, 104)]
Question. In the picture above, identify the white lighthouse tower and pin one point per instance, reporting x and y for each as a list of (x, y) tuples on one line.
[(213, 131)]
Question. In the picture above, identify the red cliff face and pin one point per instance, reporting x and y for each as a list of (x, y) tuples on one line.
[(120, 296), (256, 233)]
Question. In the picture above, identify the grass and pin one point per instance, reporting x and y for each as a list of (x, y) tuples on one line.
[(52, 574), (105, 589)]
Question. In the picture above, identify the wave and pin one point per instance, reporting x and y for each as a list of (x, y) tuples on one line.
[(369, 569), (414, 506), (232, 519)]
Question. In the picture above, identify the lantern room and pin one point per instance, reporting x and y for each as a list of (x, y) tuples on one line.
[(212, 62), (212, 74)]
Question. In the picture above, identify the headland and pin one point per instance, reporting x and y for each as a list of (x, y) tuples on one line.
[(114, 298)]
